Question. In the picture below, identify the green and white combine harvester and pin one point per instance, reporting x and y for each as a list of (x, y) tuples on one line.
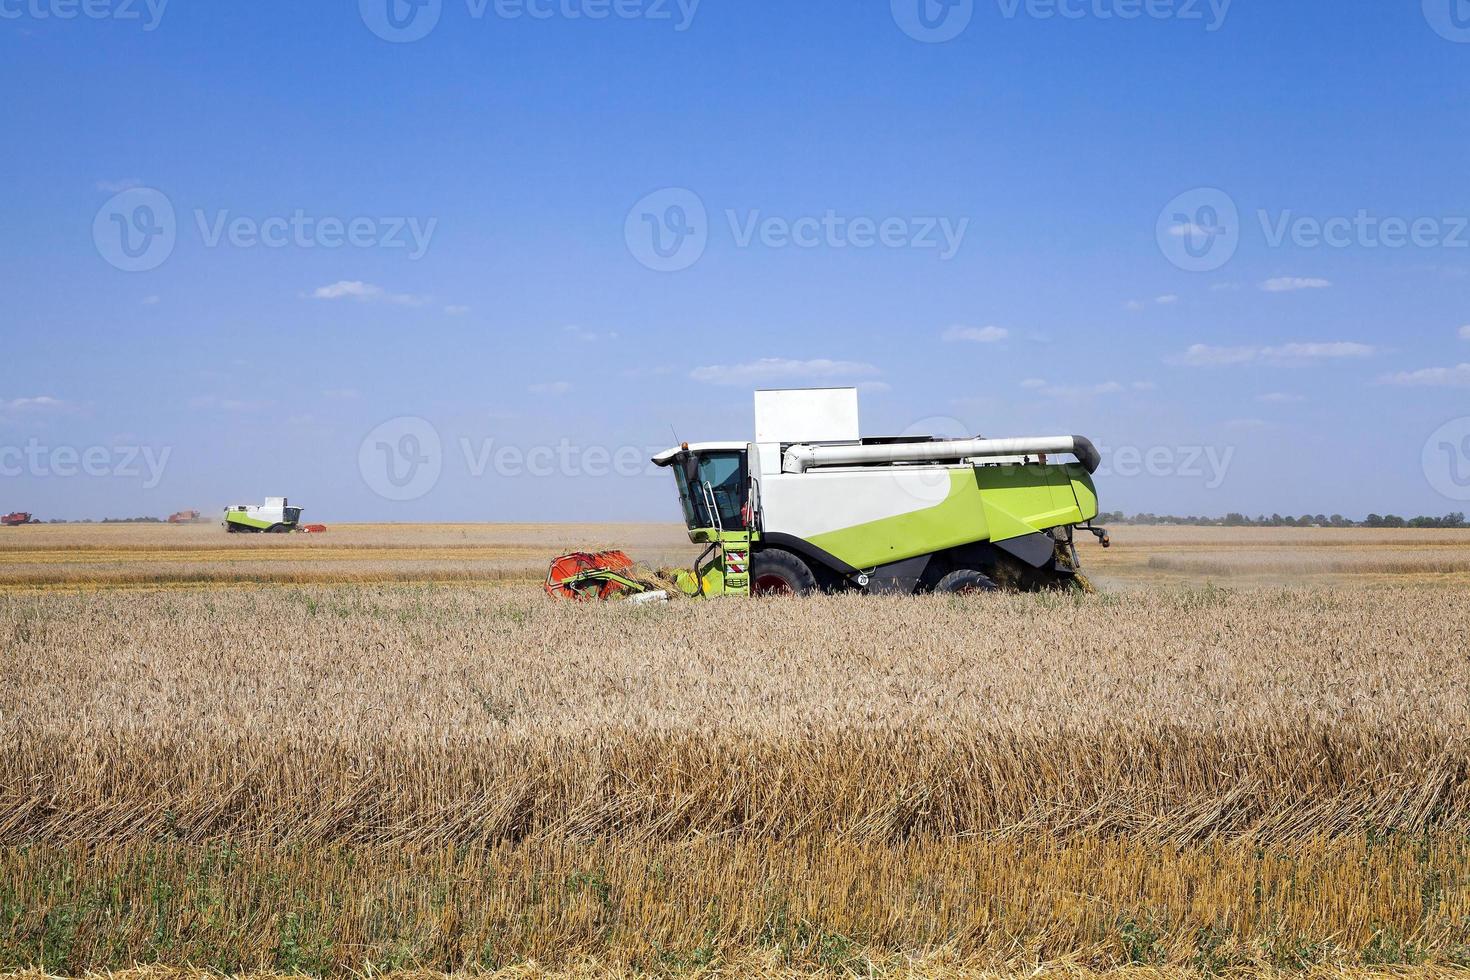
[(275, 516), (812, 505)]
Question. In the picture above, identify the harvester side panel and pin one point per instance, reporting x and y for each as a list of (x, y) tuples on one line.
[(873, 518)]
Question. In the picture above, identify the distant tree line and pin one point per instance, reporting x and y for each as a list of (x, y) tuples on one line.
[(1454, 520), (111, 520)]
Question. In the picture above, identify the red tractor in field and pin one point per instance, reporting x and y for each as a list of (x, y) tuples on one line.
[(17, 519), (186, 517)]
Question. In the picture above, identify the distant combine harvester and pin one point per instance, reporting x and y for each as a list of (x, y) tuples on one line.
[(275, 516)]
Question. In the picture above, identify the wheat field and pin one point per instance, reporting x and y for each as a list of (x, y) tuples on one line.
[(1258, 766)]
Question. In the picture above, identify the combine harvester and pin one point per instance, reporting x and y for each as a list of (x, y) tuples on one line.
[(810, 504), (275, 516), (17, 518)]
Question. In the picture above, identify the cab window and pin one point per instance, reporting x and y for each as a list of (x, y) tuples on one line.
[(725, 473)]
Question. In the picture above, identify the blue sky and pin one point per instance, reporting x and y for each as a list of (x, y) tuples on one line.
[(1227, 241)]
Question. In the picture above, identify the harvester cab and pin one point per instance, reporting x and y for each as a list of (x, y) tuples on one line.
[(715, 492), (811, 504)]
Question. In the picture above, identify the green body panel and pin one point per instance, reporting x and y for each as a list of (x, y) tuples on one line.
[(726, 571), (985, 503), (245, 520)]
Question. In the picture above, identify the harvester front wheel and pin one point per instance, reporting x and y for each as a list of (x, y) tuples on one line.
[(966, 581), (777, 572)]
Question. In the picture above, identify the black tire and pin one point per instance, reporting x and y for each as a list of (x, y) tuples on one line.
[(777, 572), (964, 581), (278, 529)]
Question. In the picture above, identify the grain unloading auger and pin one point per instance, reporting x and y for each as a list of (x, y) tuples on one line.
[(810, 504)]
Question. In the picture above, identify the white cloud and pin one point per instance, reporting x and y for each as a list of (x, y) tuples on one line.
[(550, 388), (1072, 391), (1200, 355), (769, 369), (232, 405), (1279, 398), (456, 310), (1465, 332), (1290, 284), (118, 186), (976, 335), (588, 336), (366, 292), (1455, 377), (150, 300), (36, 403), (1335, 349), (1168, 300), (1204, 355), (1134, 305)]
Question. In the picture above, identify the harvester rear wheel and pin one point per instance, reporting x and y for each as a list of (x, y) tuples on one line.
[(777, 572), (966, 581)]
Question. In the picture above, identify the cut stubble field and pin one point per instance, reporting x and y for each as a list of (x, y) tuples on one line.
[(1248, 752)]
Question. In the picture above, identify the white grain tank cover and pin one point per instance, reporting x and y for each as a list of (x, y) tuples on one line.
[(810, 415)]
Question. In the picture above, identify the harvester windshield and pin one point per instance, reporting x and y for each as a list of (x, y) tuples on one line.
[(718, 475)]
